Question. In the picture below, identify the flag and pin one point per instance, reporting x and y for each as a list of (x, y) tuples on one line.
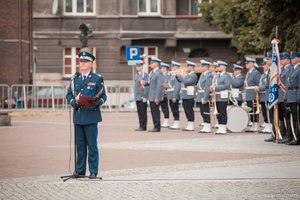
[(274, 74)]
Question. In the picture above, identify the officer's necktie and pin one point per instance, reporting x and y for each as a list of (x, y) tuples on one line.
[(84, 77)]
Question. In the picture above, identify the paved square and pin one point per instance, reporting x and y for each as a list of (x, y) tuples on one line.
[(35, 151)]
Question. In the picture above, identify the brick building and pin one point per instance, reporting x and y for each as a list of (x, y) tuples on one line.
[(168, 29), (16, 42)]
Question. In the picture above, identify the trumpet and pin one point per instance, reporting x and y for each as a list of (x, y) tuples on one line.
[(214, 101), (257, 103), (181, 72)]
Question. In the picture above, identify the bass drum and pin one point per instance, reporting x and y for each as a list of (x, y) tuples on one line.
[(237, 119)]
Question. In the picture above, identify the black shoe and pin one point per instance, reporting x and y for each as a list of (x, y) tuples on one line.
[(293, 142), (93, 176), (154, 130), (286, 140), (271, 139), (78, 175), (141, 129)]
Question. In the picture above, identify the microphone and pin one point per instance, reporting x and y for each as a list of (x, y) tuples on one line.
[(75, 75)]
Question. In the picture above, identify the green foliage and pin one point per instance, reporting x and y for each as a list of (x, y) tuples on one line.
[(252, 22)]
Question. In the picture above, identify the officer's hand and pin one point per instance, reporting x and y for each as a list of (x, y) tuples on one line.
[(74, 104), (142, 82), (97, 103), (213, 88), (256, 88), (144, 100), (174, 100), (156, 101)]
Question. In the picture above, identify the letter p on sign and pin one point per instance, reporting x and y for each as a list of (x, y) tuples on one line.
[(133, 54)]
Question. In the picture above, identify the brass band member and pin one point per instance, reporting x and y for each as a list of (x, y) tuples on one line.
[(174, 95), (237, 84), (203, 95), (164, 103), (221, 87), (252, 80), (188, 82)]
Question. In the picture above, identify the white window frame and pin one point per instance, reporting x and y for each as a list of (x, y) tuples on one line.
[(73, 57), (74, 9), (148, 9), (146, 59)]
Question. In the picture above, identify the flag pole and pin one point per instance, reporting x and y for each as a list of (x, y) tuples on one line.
[(276, 106)]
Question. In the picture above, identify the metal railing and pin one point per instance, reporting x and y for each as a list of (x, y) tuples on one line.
[(28, 97)]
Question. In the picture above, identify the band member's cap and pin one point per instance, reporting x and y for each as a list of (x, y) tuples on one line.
[(237, 67), (250, 60), (222, 63), (190, 64), (139, 63), (154, 59), (165, 65), (295, 54), (175, 64), (205, 63)]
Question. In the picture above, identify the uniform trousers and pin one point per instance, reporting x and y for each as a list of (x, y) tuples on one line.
[(86, 143), (155, 113), (222, 110), (283, 112), (204, 110), (188, 106), (142, 113), (253, 117), (175, 109), (165, 107)]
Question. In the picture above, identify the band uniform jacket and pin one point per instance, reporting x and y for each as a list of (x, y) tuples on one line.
[(90, 88), (156, 80), (237, 82), (140, 93), (263, 87), (174, 88), (189, 80), (252, 79), (223, 83), (203, 86), (293, 85), (283, 78)]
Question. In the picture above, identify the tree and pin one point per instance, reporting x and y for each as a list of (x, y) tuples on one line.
[(252, 23)]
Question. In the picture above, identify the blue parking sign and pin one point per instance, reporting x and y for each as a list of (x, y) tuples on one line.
[(133, 54)]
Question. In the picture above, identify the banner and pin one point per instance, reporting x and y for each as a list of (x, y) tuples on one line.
[(274, 72)]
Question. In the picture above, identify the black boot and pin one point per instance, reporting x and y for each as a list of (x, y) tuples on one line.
[(295, 135), (270, 139), (289, 135)]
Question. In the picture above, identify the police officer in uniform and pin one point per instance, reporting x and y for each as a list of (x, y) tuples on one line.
[(188, 81), (203, 95), (156, 79), (237, 84), (263, 89), (252, 80), (86, 118), (164, 103), (174, 95), (140, 95), (283, 112), (293, 95), (221, 87)]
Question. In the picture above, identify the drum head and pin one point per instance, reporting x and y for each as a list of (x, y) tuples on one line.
[(237, 119)]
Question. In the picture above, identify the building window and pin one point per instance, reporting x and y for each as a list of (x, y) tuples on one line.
[(148, 52), (79, 7), (194, 6), (149, 7), (71, 61)]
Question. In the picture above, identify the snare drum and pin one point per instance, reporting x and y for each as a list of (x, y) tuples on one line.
[(237, 118)]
